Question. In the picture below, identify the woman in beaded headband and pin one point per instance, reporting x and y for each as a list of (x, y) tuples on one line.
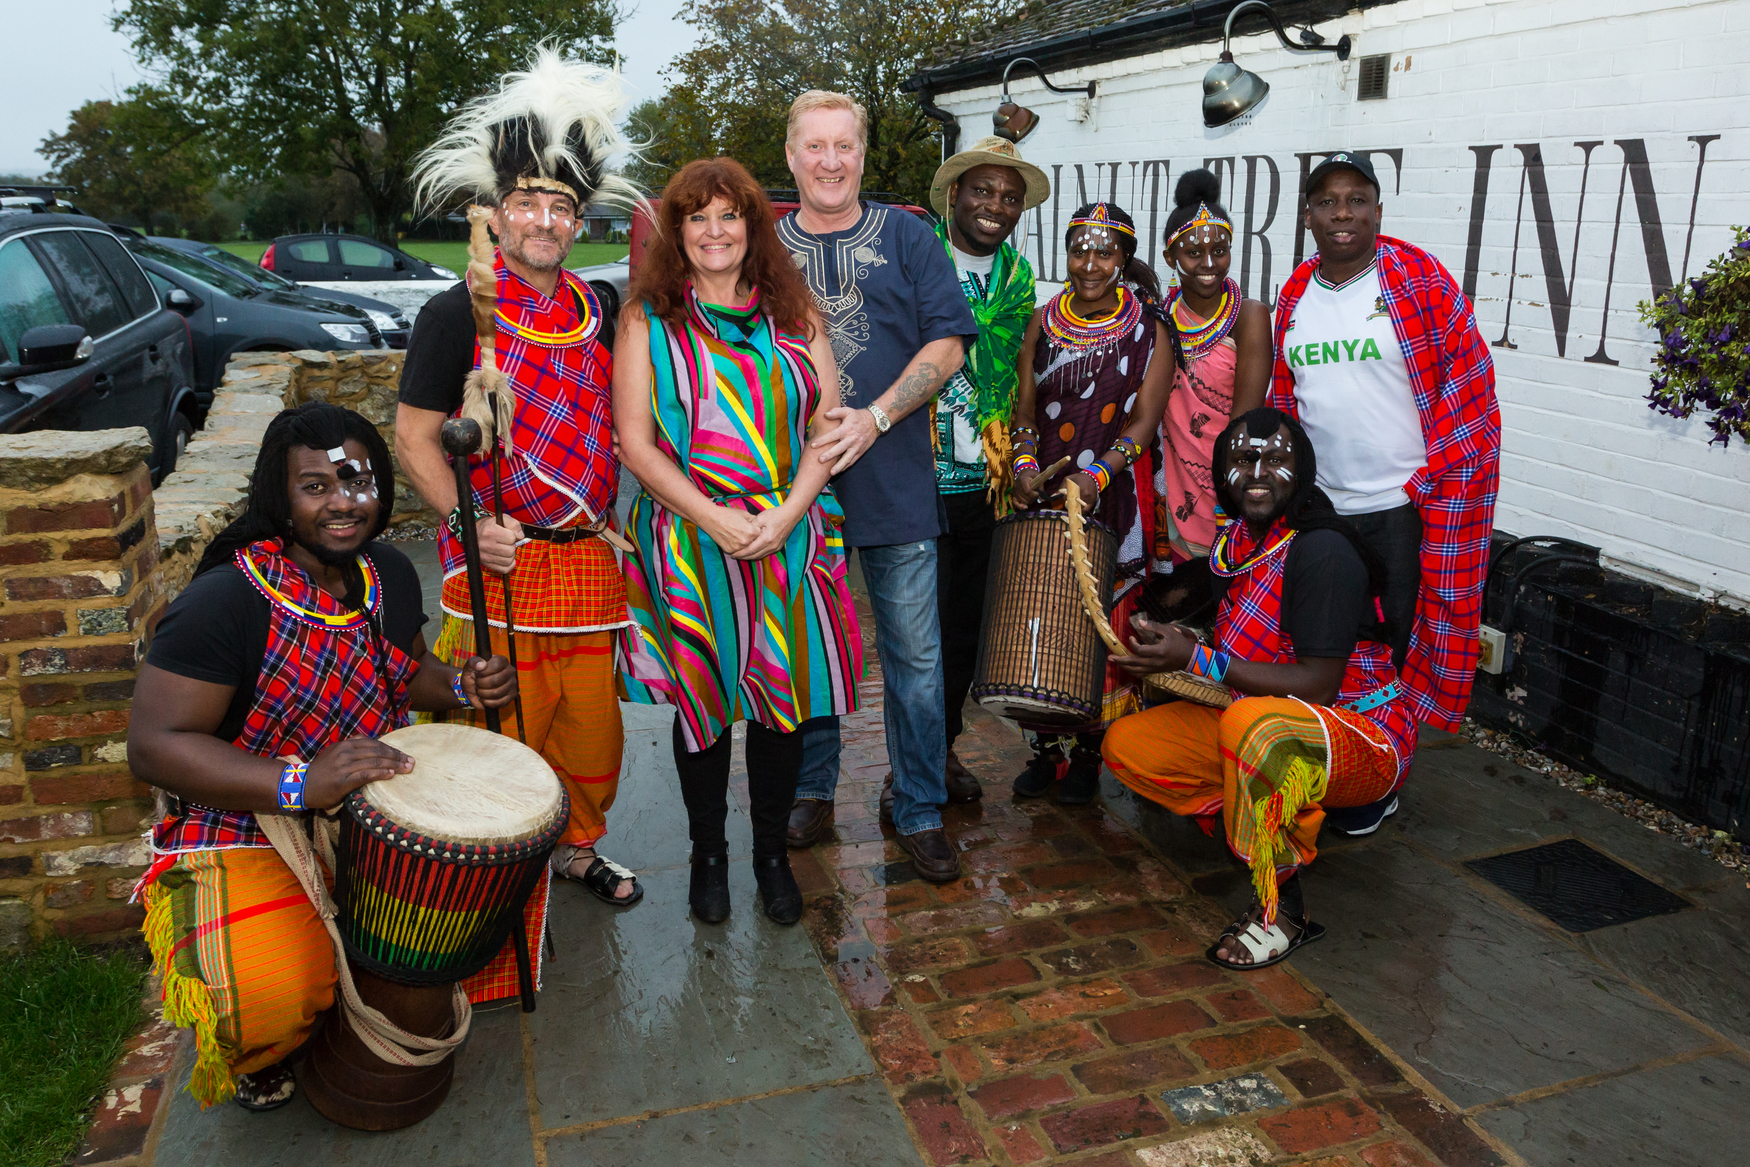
[(1093, 373), (1222, 342)]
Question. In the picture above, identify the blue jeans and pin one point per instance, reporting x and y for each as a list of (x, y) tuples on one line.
[(908, 641)]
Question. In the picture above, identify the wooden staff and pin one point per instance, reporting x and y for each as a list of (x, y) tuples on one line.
[(461, 437), (522, 732)]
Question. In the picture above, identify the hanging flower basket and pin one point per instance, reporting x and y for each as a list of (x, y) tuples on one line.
[(1703, 361)]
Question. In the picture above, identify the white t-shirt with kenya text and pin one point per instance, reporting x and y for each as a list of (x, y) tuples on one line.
[(1352, 386)]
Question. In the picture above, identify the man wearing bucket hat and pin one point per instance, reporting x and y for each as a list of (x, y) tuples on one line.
[(981, 194)]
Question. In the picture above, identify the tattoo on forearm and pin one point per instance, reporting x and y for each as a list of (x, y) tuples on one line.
[(918, 386)]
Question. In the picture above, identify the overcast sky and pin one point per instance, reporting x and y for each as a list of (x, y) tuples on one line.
[(63, 54)]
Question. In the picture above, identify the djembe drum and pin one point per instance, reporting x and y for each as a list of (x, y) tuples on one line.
[(432, 871), (1041, 659)]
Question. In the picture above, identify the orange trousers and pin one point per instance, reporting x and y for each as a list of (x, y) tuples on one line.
[(571, 712), (1267, 765)]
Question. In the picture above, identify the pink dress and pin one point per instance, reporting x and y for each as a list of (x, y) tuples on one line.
[(1197, 411)]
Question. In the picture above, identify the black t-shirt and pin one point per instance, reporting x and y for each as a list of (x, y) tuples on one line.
[(440, 353), (216, 630), (1325, 605)]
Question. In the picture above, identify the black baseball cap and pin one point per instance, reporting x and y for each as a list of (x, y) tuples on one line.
[(1343, 160)]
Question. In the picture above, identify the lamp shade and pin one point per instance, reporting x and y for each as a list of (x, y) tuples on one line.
[(1229, 91), (1014, 122)]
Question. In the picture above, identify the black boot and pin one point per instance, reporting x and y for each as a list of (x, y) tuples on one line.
[(1082, 780), (1035, 781), (709, 891), (778, 890)]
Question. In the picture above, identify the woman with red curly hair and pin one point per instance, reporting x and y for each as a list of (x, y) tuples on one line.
[(737, 588)]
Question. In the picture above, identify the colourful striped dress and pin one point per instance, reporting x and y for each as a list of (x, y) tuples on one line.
[(773, 640)]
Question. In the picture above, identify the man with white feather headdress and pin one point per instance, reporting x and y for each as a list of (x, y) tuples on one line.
[(521, 347)]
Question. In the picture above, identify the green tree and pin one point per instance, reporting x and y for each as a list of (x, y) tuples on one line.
[(141, 158), (303, 87), (731, 94)]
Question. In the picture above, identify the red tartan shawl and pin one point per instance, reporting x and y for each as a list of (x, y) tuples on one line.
[(1248, 626), (564, 470), (326, 676), (1453, 379)]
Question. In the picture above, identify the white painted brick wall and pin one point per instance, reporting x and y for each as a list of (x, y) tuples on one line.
[(1583, 456)]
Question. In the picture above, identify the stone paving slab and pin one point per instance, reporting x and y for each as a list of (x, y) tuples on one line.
[(484, 1120), (1687, 1115), (853, 1124)]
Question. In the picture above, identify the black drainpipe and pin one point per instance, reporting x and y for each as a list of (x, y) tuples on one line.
[(950, 125)]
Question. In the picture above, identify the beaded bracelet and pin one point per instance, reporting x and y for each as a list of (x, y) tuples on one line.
[(1101, 474), (1128, 448), (1206, 662), (292, 786), (454, 521), (1016, 432), (456, 688), (1026, 464)]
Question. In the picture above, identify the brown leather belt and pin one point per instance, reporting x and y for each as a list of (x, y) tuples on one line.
[(558, 534)]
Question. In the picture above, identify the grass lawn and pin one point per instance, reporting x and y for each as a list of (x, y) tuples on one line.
[(64, 1014), (455, 255)]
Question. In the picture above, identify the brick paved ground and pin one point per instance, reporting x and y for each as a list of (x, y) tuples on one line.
[(1055, 1005)]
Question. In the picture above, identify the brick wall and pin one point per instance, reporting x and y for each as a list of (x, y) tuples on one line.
[(1499, 116), (77, 589), (89, 556)]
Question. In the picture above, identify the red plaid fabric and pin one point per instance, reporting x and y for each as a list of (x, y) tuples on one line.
[(1248, 626), (563, 472), (1454, 380), (326, 676)]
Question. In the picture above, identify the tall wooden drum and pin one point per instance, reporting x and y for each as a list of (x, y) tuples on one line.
[(1040, 658), (431, 876)]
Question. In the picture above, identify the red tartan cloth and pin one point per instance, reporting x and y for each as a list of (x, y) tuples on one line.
[(1454, 382), (326, 677), (563, 472), (1248, 626)]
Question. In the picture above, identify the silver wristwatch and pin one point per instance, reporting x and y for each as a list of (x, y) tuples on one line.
[(883, 423)]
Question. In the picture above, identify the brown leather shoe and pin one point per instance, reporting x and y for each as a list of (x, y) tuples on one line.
[(887, 800), (962, 786), (810, 820), (933, 855)]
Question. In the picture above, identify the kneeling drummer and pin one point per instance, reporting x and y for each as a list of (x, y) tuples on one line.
[(270, 678)]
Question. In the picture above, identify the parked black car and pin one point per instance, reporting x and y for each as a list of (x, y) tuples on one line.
[(346, 257), (229, 314), (85, 342), (390, 320)]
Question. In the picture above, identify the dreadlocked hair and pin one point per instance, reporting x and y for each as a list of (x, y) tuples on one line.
[(1136, 272), (1309, 508), (267, 513)]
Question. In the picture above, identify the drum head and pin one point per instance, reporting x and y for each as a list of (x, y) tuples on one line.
[(467, 786)]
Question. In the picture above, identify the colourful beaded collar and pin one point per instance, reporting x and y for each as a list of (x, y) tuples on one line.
[(1069, 331)]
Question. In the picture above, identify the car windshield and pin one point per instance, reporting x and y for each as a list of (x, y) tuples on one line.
[(249, 271), (199, 270)]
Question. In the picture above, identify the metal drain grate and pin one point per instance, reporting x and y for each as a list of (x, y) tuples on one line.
[(1577, 887)]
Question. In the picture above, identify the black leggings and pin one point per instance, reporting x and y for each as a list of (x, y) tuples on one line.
[(774, 763)]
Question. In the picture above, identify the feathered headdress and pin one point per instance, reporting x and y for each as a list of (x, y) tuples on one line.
[(551, 128)]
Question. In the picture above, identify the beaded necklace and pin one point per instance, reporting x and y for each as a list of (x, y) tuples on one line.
[(1078, 334), (1221, 553), (1198, 339)]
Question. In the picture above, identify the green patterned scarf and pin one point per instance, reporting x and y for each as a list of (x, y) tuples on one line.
[(1002, 320)]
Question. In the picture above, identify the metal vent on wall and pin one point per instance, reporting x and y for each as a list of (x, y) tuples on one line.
[(1577, 887), (1375, 72)]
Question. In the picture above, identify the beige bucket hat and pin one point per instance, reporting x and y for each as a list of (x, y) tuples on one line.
[(996, 152)]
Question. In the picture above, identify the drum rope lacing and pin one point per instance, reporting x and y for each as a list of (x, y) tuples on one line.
[(383, 1037)]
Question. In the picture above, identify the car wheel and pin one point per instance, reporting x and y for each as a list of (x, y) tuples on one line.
[(605, 293), (181, 433)]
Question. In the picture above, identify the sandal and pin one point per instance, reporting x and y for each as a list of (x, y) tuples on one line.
[(602, 877), (266, 1089), (1266, 946)]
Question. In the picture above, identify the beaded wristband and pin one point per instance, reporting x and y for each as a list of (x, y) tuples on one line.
[(1128, 448), (1101, 474), (454, 519), (1026, 464), (292, 786), (1206, 662), (456, 688)]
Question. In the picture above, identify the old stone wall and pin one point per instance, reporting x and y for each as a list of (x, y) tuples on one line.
[(90, 555)]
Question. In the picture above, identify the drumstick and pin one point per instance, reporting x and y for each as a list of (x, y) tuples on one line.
[(461, 437), (509, 621)]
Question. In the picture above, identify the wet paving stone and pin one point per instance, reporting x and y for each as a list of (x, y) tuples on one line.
[(1212, 1100)]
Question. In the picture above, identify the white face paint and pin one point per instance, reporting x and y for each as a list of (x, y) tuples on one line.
[(359, 489)]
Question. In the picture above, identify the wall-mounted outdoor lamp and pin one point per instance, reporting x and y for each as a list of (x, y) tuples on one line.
[(1228, 90), (1015, 122)]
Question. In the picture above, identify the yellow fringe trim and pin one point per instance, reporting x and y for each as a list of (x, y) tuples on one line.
[(188, 1002), (1304, 783)]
